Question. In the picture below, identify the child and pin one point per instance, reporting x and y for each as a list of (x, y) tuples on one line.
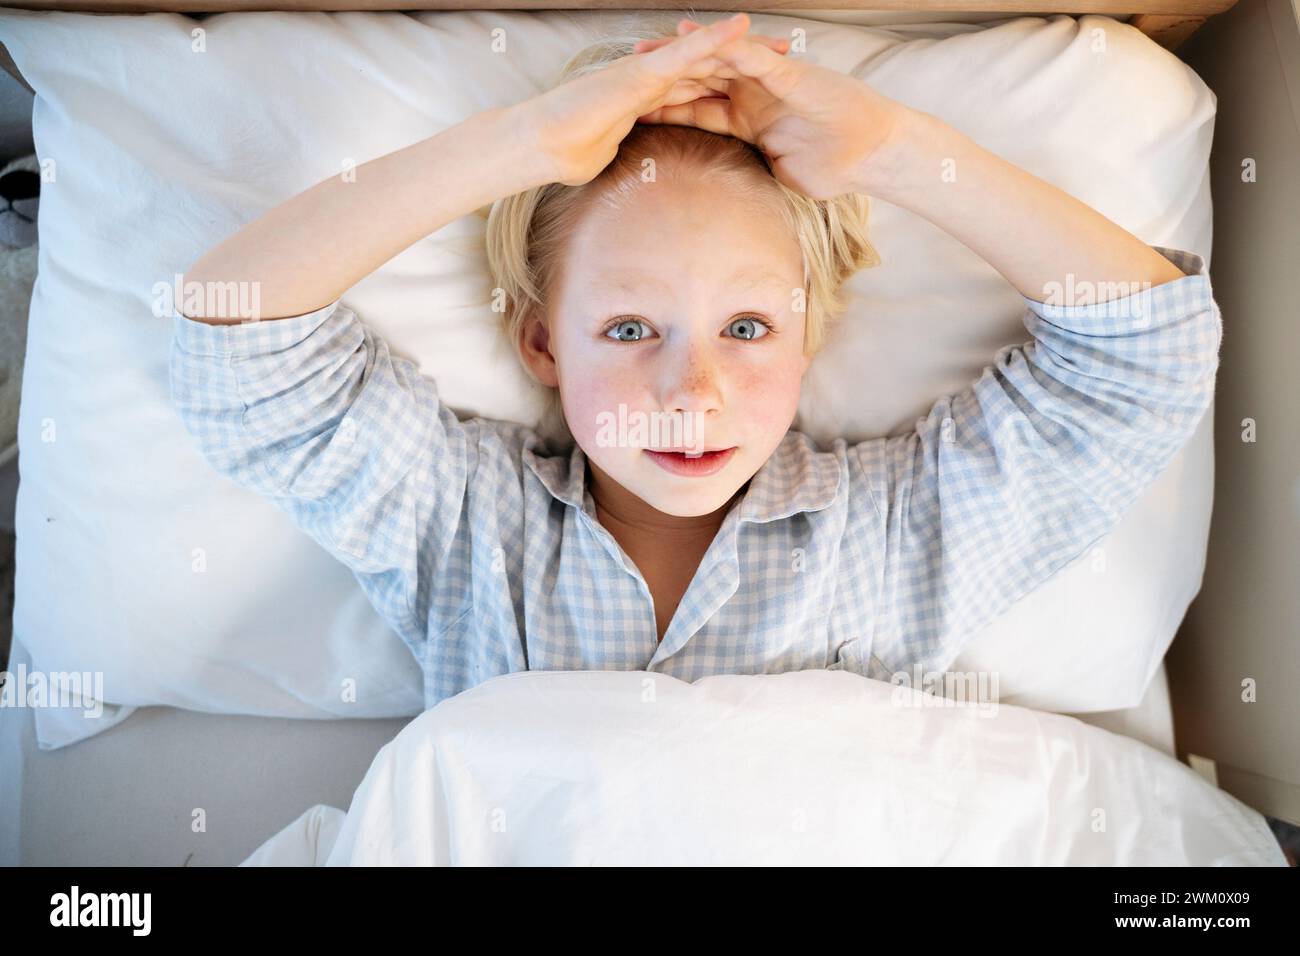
[(670, 231)]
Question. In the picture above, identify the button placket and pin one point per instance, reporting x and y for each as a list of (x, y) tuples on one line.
[(615, 551), (715, 581)]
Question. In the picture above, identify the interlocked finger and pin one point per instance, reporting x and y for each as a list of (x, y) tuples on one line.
[(691, 56), (773, 71), (711, 113), (713, 65)]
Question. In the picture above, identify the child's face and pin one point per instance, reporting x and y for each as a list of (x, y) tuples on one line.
[(661, 309)]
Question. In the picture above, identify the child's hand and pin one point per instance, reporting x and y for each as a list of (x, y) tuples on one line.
[(825, 133), (576, 128)]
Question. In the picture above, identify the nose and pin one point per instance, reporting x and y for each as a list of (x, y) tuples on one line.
[(691, 381)]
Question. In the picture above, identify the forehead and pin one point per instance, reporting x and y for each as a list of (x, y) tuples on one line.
[(633, 279), (665, 239)]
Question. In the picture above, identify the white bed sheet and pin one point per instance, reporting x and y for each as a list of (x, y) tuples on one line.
[(124, 797), (803, 768)]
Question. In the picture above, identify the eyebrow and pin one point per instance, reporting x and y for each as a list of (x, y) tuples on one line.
[(632, 280)]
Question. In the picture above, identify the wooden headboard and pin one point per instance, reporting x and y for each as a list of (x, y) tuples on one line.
[(1168, 22)]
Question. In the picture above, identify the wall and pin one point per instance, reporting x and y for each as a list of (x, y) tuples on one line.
[(1244, 625)]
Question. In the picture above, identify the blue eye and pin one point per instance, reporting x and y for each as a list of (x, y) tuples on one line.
[(627, 331), (749, 329)]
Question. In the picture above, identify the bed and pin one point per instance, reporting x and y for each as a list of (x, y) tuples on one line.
[(219, 714)]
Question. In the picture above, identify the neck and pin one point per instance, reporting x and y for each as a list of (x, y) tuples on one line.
[(616, 506)]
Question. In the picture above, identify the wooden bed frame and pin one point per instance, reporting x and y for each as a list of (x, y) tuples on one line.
[(1168, 22)]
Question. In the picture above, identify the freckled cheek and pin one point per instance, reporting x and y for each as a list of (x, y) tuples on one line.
[(769, 395), (590, 388)]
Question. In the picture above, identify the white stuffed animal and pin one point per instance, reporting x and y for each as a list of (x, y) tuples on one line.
[(20, 187)]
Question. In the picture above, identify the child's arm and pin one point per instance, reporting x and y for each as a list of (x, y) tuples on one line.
[(1003, 484), (1036, 235), (313, 410), (309, 250)]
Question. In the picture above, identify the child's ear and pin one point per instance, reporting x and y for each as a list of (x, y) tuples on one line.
[(535, 342)]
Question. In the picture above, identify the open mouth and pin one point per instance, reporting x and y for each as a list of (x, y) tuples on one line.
[(692, 464)]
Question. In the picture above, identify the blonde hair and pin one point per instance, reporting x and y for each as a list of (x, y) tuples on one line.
[(527, 233)]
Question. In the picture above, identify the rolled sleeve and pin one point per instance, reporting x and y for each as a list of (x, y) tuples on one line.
[(315, 413), (246, 339), (1000, 486)]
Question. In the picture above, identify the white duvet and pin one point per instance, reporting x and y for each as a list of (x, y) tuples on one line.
[(813, 767)]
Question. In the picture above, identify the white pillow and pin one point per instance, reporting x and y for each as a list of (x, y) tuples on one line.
[(807, 768), (162, 135)]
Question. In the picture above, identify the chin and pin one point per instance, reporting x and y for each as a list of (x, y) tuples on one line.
[(689, 503)]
